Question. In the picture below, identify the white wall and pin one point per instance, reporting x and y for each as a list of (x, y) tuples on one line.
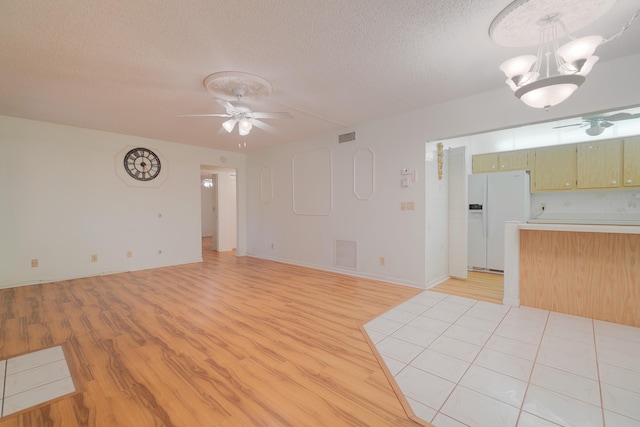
[(206, 211), (226, 211), (61, 201), (413, 254), (377, 224)]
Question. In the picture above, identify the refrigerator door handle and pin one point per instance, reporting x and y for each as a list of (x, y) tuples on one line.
[(485, 213)]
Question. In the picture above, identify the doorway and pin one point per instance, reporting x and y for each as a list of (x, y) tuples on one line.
[(218, 208)]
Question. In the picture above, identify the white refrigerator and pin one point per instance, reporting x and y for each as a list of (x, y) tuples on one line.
[(493, 199)]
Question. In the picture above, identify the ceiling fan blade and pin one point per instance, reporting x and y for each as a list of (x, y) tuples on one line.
[(226, 104), (263, 126), (566, 126), (622, 116), (605, 124), (271, 115), (614, 117), (204, 115)]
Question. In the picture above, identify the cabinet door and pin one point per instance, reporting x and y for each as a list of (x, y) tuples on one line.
[(631, 166), (485, 163), (599, 164), (555, 168), (513, 160)]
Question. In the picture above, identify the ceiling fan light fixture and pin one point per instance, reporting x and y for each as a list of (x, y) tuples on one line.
[(244, 127), (229, 125), (595, 129)]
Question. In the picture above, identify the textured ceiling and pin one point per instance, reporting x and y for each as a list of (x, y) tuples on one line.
[(132, 67)]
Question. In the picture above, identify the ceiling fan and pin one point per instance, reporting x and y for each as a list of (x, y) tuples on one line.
[(240, 113), (597, 124)]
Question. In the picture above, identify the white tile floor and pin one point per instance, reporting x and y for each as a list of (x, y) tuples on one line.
[(34, 378), (462, 362)]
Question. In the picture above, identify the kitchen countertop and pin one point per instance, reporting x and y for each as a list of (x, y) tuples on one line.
[(589, 228), (618, 218)]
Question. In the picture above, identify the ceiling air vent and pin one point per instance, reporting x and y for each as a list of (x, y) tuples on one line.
[(346, 137)]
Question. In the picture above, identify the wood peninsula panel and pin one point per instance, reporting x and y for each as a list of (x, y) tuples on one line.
[(593, 275)]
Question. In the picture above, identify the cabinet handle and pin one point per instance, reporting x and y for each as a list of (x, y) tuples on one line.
[(502, 166), (629, 181), (493, 166), (614, 182)]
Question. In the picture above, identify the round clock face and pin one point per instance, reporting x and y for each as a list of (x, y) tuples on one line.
[(142, 164)]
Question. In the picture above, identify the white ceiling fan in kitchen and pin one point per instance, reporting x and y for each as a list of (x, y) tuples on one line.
[(597, 124), (240, 86)]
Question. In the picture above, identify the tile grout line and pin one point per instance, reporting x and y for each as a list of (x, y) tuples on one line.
[(595, 350), (533, 367), (4, 388)]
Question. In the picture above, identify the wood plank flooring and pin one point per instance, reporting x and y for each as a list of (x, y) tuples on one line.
[(481, 286), (233, 341)]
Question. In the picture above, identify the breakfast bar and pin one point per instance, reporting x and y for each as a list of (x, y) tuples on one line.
[(589, 270)]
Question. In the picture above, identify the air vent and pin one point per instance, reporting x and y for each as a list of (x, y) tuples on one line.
[(346, 137), (346, 254)]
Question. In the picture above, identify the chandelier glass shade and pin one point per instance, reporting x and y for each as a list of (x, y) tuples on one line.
[(563, 68)]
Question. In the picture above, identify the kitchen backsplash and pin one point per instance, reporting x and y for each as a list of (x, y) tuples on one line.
[(609, 203)]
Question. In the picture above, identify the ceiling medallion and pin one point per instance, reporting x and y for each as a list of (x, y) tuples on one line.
[(519, 23), (234, 84)]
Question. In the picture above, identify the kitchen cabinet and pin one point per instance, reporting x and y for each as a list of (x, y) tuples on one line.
[(555, 169), (485, 163), (599, 164), (631, 166), (501, 162), (513, 160)]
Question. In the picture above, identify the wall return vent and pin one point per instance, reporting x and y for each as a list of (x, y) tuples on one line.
[(346, 254), (346, 137)]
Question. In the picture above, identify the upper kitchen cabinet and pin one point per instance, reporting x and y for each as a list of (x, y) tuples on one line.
[(485, 163), (513, 160), (555, 169), (631, 166), (599, 164), (501, 162)]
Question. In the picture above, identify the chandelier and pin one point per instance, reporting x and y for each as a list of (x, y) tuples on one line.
[(555, 72), (572, 62)]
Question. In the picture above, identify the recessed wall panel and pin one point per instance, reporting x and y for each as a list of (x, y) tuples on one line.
[(312, 187), (363, 174)]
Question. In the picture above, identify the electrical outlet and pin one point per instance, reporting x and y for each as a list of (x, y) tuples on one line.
[(129, 254), (382, 261), (411, 206), (403, 206), (34, 262), (273, 246), (94, 257), (543, 206)]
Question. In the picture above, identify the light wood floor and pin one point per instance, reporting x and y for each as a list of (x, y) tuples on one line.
[(233, 341), (480, 286)]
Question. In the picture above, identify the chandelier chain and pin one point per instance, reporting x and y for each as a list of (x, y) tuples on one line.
[(624, 28), (613, 37)]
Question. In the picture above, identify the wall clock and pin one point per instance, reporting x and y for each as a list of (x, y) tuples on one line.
[(142, 164)]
